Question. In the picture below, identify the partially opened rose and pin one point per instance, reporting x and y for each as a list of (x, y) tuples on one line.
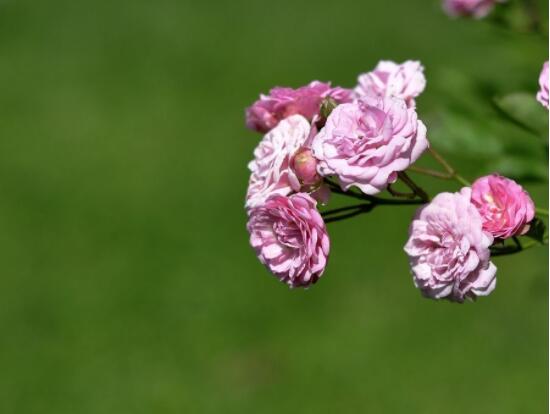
[(405, 81), (281, 103), (290, 238), (366, 143), (505, 207), (449, 250)]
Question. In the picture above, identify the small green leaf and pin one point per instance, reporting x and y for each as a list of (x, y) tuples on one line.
[(536, 230)]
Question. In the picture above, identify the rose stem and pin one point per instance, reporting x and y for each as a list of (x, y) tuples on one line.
[(413, 186), (376, 200), (450, 170)]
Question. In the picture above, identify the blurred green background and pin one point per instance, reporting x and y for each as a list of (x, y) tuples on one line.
[(128, 285)]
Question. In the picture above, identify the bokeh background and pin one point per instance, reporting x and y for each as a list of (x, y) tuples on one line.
[(127, 283)]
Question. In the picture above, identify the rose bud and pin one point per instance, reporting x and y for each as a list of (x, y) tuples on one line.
[(304, 166)]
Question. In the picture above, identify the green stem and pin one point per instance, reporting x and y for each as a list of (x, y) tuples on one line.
[(413, 186), (335, 188), (450, 170), (542, 211)]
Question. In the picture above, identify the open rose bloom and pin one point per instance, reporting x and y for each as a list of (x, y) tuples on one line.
[(505, 208), (367, 142), (281, 103), (290, 238), (542, 94), (449, 250), (405, 81)]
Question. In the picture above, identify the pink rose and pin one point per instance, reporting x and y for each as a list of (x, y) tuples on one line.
[(468, 8), (505, 208), (290, 238), (367, 142), (542, 95), (270, 168), (270, 109), (405, 81), (449, 251)]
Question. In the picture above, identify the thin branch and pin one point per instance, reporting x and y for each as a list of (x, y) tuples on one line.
[(348, 208), (333, 215), (413, 186), (450, 170), (396, 193), (335, 188), (430, 172)]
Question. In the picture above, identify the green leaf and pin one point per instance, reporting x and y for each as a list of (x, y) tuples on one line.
[(523, 109), (519, 167), (536, 230)]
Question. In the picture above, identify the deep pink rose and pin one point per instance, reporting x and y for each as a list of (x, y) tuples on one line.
[(271, 173), (449, 251), (542, 95), (270, 109), (290, 238), (405, 81), (365, 143), (505, 208), (468, 8)]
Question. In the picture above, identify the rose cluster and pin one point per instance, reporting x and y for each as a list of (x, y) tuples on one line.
[(319, 137), (362, 137), (449, 238)]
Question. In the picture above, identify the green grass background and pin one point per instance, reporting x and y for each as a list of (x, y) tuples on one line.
[(127, 283)]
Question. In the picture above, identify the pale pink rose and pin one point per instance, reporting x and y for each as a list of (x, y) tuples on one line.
[(405, 81), (271, 173), (449, 251), (542, 95), (469, 8), (505, 207), (365, 143), (290, 238), (281, 103)]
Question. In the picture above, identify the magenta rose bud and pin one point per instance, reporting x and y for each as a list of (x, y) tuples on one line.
[(449, 250), (542, 95), (468, 8), (304, 165), (270, 168), (290, 238), (405, 81), (505, 207), (365, 143), (281, 103)]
